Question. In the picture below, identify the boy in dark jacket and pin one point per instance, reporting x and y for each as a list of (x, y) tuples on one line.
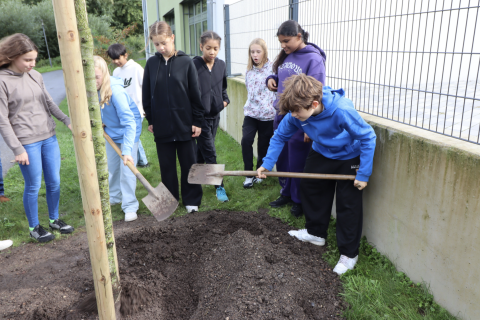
[(342, 143), (174, 111), (212, 79)]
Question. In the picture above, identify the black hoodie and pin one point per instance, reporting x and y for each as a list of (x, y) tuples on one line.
[(171, 97), (213, 85)]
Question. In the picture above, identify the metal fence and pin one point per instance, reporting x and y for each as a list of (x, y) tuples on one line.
[(411, 61)]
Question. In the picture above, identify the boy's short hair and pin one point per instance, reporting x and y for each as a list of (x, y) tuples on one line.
[(116, 50), (299, 92)]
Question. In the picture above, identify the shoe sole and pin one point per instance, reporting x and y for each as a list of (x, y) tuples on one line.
[(62, 231), (278, 206), (43, 240), (247, 187), (131, 219)]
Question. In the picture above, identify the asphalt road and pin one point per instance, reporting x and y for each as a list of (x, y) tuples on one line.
[(55, 86)]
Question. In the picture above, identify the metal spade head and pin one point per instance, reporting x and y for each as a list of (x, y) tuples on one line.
[(161, 203), (201, 174)]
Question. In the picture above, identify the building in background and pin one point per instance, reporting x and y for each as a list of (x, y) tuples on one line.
[(188, 19)]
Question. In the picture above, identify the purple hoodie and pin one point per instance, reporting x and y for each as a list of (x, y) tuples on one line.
[(309, 60)]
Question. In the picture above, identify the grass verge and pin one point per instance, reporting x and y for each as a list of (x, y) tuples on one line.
[(374, 290)]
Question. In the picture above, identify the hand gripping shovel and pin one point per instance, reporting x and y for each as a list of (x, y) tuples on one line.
[(159, 201), (213, 174)]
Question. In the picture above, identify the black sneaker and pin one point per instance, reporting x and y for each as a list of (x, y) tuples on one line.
[(61, 226), (297, 210), (280, 202), (41, 235), (143, 166)]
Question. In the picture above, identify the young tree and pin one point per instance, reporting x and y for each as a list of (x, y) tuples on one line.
[(86, 41)]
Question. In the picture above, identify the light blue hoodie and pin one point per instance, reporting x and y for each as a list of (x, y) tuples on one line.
[(121, 117), (338, 132)]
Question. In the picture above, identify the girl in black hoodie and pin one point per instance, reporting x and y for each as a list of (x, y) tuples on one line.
[(212, 79), (174, 111)]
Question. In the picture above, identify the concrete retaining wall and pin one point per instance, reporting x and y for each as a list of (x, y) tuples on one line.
[(422, 205)]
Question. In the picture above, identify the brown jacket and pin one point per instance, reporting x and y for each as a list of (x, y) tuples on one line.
[(26, 109)]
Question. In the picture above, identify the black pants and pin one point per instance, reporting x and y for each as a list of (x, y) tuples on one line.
[(206, 152), (265, 132), (317, 199), (167, 156)]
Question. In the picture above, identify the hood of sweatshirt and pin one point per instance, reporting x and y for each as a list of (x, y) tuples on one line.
[(116, 83), (329, 100), (312, 48)]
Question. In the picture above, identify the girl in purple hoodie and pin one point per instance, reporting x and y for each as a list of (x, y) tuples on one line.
[(297, 56)]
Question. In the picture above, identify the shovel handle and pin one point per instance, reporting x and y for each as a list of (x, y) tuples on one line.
[(115, 147), (285, 175), (137, 173)]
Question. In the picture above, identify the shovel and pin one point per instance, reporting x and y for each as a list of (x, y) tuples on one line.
[(213, 174), (159, 200)]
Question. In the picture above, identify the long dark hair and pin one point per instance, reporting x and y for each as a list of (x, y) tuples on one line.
[(207, 35), (289, 28)]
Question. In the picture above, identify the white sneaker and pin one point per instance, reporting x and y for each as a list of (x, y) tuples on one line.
[(248, 183), (191, 209), (344, 264), (5, 244), (303, 235), (257, 180), (130, 216)]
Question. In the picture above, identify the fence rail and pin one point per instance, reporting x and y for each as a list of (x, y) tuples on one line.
[(411, 61)]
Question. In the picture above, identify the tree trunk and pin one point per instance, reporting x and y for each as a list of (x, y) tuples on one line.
[(68, 40), (86, 48)]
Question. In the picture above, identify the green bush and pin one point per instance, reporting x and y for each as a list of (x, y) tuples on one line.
[(100, 25), (135, 44), (17, 17)]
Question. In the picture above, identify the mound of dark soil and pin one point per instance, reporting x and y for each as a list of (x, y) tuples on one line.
[(212, 265)]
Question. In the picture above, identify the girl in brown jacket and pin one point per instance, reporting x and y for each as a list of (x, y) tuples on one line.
[(28, 129)]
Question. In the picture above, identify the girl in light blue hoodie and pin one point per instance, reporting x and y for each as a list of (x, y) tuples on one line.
[(123, 124), (343, 143)]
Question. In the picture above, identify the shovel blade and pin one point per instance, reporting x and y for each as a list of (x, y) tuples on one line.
[(162, 203), (200, 174)]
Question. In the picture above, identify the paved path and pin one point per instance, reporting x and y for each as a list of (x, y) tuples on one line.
[(55, 86)]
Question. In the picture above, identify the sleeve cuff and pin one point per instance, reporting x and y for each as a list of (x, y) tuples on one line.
[(18, 151), (67, 121), (361, 177)]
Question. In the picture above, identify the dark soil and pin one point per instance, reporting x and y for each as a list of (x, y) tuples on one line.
[(211, 265)]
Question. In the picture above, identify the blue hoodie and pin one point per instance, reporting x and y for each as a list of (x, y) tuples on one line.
[(338, 132), (121, 117), (309, 60)]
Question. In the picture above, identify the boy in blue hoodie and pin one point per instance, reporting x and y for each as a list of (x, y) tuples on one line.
[(343, 143), (297, 56)]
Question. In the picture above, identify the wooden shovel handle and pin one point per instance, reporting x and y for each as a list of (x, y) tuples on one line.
[(286, 175), (137, 173), (115, 147)]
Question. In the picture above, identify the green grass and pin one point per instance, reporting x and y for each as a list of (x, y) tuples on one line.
[(374, 290), (48, 69)]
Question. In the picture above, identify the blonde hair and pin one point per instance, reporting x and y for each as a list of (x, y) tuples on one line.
[(160, 28), (299, 92), (13, 46), (262, 44), (105, 89)]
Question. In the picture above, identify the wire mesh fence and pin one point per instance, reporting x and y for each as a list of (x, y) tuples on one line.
[(411, 61)]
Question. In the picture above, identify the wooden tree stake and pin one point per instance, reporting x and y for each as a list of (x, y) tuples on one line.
[(68, 40)]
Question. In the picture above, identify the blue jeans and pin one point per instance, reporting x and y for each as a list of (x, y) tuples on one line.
[(43, 156), (142, 157), (2, 191), (121, 179)]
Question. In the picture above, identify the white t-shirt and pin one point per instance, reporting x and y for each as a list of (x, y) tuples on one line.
[(132, 75)]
